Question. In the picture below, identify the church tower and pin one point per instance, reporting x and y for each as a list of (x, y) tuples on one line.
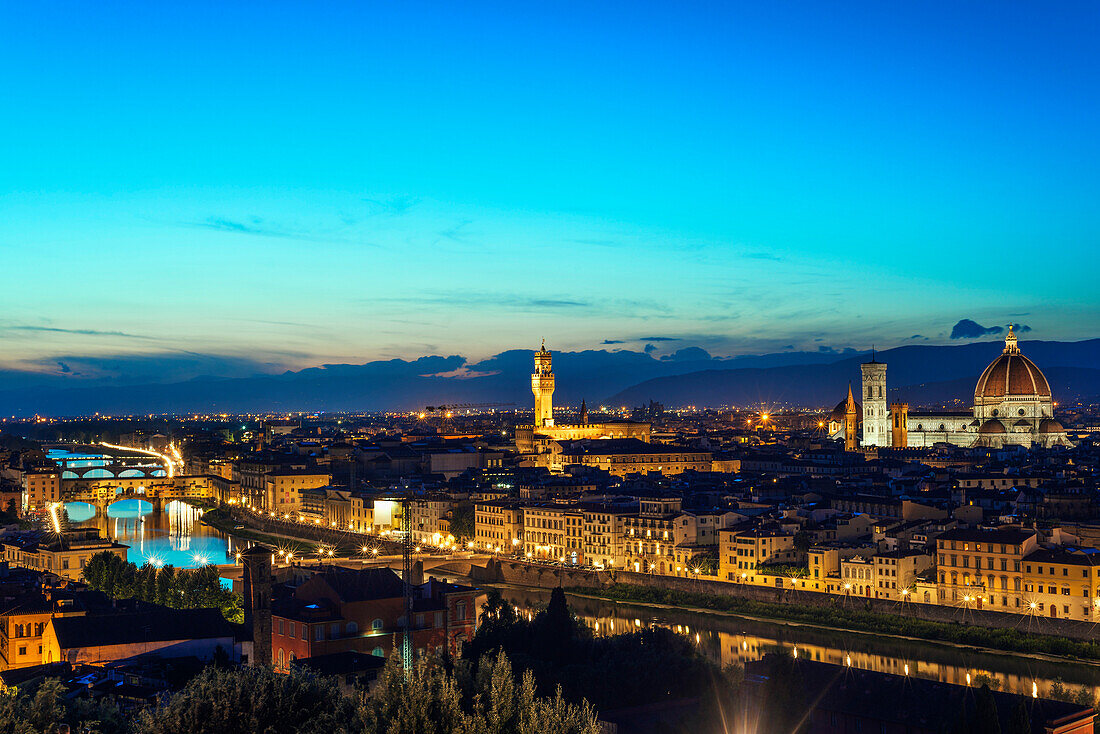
[(876, 416), (851, 422), (542, 385), (899, 425)]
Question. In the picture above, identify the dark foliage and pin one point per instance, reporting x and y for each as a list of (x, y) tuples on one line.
[(168, 586)]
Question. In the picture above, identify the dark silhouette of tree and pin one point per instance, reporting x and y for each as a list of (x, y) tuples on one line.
[(784, 703), (431, 700), (40, 712), (1020, 721), (251, 700), (168, 586), (986, 720)]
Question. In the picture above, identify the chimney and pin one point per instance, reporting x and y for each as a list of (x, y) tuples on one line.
[(257, 601)]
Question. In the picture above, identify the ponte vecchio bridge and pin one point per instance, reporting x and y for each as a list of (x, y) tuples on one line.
[(101, 475)]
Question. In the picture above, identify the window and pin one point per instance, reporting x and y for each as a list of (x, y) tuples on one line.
[(281, 658), (376, 625), (351, 628), (378, 652)]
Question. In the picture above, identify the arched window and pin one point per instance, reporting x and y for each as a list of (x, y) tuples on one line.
[(378, 652), (352, 628), (291, 659), (942, 427), (376, 625), (281, 657)]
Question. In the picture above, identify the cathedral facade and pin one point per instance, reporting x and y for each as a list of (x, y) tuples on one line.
[(1013, 406)]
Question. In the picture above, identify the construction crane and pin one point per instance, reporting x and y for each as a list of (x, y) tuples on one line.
[(441, 415), (407, 569), (432, 409)]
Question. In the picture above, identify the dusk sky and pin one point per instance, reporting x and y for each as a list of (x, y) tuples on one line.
[(283, 188)]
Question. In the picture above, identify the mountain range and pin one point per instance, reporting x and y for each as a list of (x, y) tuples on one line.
[(924, 375)]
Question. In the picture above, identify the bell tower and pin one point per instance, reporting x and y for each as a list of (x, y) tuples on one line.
[(851, 422), (542, 385), (876, 417)]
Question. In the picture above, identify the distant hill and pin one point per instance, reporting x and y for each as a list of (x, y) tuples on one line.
[(382, 385), (920, 374)]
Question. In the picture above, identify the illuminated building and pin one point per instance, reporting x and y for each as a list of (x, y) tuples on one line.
[(535, 438), (1013, 406)]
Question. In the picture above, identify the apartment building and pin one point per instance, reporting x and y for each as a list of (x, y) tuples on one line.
[(554, 532), (604, 534), (742, 551), (896, 573), (41, 486), (283, 488), (498, 524), (429, 519), (649, 538), (983, 568)]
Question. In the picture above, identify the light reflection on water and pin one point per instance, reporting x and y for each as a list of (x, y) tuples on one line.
[(173, 537), (729, 640)]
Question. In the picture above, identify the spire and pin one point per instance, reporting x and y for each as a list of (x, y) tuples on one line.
[(1011, 346)]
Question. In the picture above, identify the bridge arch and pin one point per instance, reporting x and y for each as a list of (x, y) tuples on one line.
[(136, 508), (129, 473)]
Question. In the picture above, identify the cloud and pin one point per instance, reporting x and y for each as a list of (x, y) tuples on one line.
[(391, 205), (967, 329), (77, 332), (503, 300), (650, 348), (463, 373), (687, 354), (1021, 328), (613, 341), (64, 367), (218, 224), (256, 227), (918, 336), (659, 339)]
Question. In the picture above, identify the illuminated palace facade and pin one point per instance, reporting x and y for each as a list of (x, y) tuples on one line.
[(536, 438), (1013, 406)]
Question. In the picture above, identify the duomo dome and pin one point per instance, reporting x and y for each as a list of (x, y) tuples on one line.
[(1011, 374), (1013, 403)]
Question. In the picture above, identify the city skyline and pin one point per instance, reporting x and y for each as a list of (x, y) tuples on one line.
[(231, 192)]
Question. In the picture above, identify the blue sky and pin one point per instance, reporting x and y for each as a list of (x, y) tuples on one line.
[(286, 184)]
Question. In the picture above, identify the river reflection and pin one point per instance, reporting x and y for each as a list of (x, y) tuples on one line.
[(174, 537), (729, 640)]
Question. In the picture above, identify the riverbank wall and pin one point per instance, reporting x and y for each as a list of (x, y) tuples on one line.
[(547, 577)]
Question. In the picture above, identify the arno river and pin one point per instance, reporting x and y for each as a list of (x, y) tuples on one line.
[(727, 640), (175, 536)]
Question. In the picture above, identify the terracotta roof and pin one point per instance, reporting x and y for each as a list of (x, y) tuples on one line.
[(992, 426), (1011, 374), (1049, 425)]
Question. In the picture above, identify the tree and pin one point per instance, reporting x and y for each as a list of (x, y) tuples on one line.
[(1020, 721), (986, 720), (40, 713), (168, 586), (430, 700), (251, 700), (462, 521), (784, 700)]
